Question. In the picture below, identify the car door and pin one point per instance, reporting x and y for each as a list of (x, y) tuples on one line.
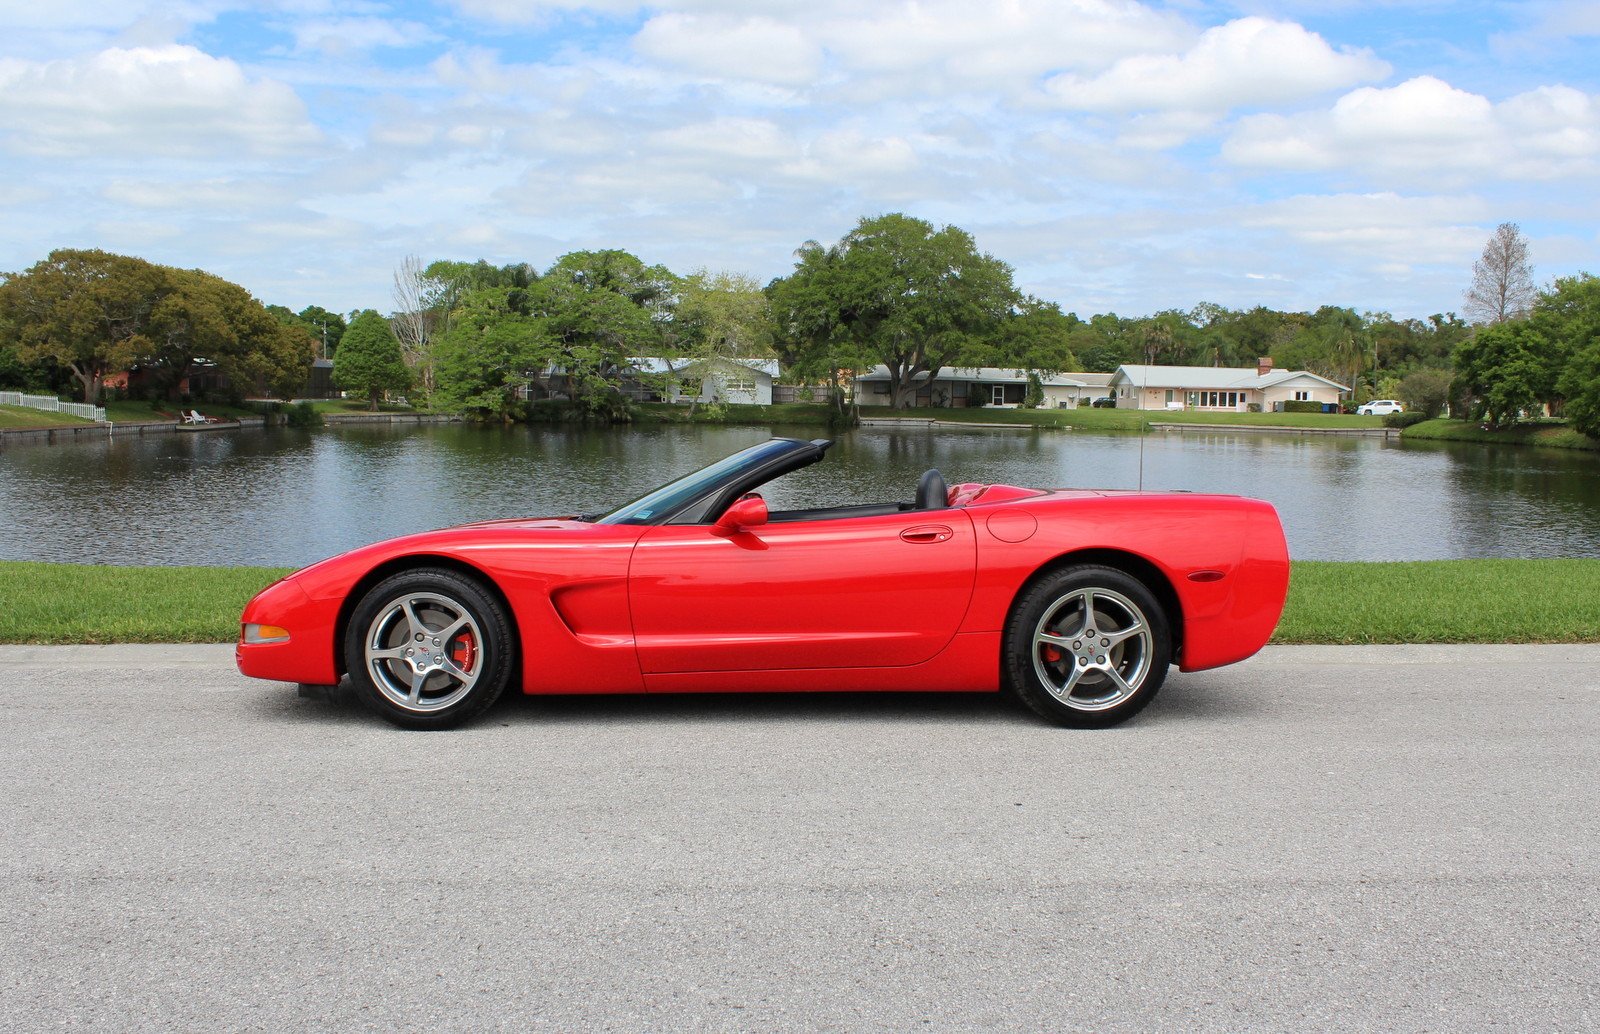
[(875, 591)]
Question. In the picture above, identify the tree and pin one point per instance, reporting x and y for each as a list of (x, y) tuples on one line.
[(1570, 314), (1507, 369), (1426, 391), (597, 309), (1036, 337), (327, 327), (489, 352), (913, 297), (85, 309), (808, 327), (417, 299), (369, 360), (719, 316), (1502, 281)]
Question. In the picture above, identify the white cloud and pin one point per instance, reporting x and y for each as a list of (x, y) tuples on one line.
[(746, 140), (1425, 128), (339, 37), (756, 49), (219, 193), (162, 100), (1247, 62), (1003, 41), (849, 154), (534, 12), (1381, 227)]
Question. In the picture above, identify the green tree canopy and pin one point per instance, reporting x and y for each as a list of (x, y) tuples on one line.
[(808, 328), (1037, 337), (911, 296), (490, 351), (1507, 369), (97, 313), (1570, 313), (596, 309), (369, 360), (85, 309)]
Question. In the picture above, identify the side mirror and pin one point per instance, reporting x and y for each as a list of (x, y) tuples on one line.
[(748, 512)]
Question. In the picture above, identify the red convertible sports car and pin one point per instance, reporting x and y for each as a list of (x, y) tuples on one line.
[(1075, 600)]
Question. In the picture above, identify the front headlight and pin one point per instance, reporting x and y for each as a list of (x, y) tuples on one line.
[(255, 635)]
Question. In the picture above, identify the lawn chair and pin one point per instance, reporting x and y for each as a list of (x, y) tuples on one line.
[(193, 417)]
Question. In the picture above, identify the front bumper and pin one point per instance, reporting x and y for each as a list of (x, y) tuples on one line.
[(308, 655)]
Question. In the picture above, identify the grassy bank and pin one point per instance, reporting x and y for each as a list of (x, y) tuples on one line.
[(1119, 419), (24, 417), (1550, 435), (782, 413), (1444, 601)]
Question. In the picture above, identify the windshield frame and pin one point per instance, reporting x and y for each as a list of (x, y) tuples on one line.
[(692, 498)]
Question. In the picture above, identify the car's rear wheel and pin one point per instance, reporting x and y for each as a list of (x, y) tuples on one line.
[(429, 648), (1086, 646)]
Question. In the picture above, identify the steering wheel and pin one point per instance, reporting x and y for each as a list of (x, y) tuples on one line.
[(931, 491)]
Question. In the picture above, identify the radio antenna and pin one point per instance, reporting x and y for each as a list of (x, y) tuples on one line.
[(1144, 425)]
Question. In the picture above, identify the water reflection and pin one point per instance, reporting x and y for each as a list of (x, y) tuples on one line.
[(289, 497)]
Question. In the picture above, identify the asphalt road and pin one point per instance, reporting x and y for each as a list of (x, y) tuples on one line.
[(1396, 838)]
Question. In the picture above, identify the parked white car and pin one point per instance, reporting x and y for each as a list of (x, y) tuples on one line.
[(1381, 407)]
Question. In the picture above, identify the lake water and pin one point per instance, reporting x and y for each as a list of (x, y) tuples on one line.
[(287, 497)]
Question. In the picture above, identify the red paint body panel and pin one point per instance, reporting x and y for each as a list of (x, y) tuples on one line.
[(969, 664), (915, 600), (885, 591)]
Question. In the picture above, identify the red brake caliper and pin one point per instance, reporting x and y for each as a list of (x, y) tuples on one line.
[(1051, 653), (463, 651)]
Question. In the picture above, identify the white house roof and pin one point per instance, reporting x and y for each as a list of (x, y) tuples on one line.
[(652, 364), (1208, 377), (996, 375)]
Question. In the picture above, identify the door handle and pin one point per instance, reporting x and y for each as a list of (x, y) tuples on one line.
[(927, 533)]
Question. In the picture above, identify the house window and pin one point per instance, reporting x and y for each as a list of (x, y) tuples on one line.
[(1169, 396), (740, 386), (1302, 396)]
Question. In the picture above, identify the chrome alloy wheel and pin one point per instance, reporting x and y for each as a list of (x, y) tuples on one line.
[(424, 651), (1092, 649)]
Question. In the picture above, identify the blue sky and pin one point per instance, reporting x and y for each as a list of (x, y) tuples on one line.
[(1122, 156)]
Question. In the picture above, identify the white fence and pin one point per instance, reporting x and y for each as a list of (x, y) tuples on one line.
[(55, 405)]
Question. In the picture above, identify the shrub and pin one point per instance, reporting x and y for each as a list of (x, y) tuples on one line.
[(1425, 391), (1404, 419), (1297, 406), (1253, 407), (1035, 394), (304, 414)]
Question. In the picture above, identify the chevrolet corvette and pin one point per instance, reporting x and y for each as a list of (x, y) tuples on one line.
[(1077, 601)]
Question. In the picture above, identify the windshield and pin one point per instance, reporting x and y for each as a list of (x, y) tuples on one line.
[(670, 498)]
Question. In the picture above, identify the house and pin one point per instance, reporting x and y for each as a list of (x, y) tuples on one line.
[(1220, 388), (962, 386), (739, 381)]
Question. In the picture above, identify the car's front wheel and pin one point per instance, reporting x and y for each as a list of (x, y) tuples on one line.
[(1087, 646), (429, 648)]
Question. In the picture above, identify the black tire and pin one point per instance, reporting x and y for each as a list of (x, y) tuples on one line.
[(429, 649), (1047, 639)]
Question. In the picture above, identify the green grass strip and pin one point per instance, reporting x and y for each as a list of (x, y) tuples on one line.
[(1435, 601), (83, 603), (1443, 601), (27, 417), (1550, 435)]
